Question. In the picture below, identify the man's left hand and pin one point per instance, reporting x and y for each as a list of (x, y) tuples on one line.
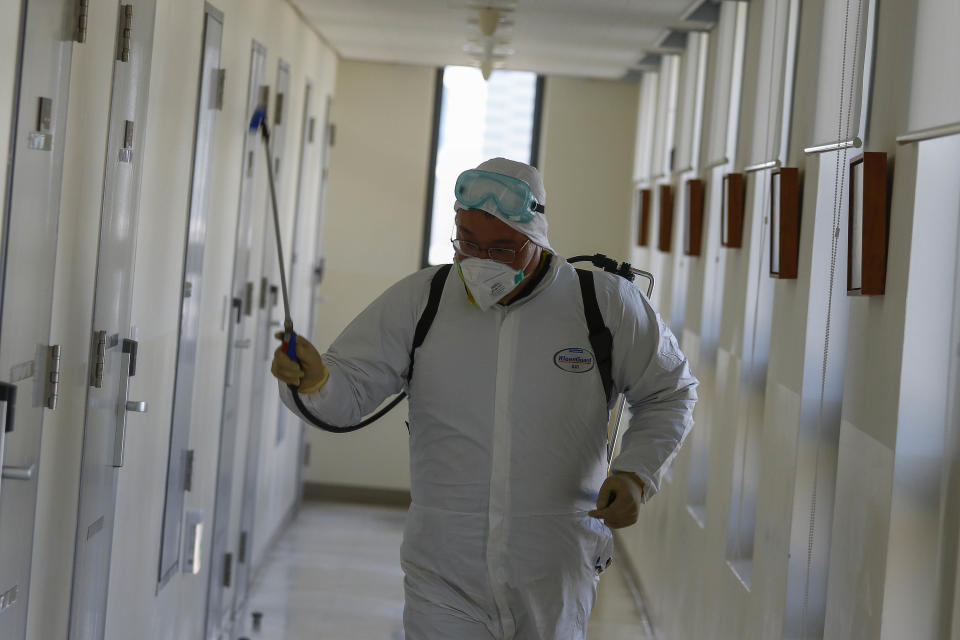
[(619, 500)]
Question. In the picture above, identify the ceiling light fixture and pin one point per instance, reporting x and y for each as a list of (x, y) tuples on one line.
[(486, 68), (489, 18)]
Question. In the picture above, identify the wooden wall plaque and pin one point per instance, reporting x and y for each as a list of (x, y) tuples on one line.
[(693, 230), (666, 217), (867, 225), (643, 224), (731, 210), (784, 222)]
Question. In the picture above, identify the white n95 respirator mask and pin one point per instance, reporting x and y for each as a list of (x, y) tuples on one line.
[(489, 280)]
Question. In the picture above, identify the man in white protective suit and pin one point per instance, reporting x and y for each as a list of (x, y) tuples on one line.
[(509, 526)]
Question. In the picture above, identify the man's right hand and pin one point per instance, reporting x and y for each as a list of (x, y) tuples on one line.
[(308, 375)]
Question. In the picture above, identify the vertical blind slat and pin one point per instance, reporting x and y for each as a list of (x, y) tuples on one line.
[(935, 94)]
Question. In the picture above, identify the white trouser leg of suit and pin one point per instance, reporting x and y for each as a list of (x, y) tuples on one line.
[(544, 592)]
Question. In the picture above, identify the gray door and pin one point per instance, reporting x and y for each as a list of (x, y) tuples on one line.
[(30, 217), (301, 260), (113, 358), (316, 278), (299, 306), (222, 558), (209, 102), (318, 255), (269, 319)]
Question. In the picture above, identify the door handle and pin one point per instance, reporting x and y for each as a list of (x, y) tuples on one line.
[(127, 370), (130, 346), (8, 395), (17, 473), (238, 305)]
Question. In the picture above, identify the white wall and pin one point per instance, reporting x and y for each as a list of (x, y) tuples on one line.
[(587, 163), (879, 449), (135, 609), (375, 207)]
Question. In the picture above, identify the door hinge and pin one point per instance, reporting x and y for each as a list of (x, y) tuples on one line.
[(306, 454), (263, 293), (126, 30), (83, 12), (313, 125), (52, 391), (331, 135), (188, 470), (187, 288), (227, 569), (242, 548), (219, 85), (97, 359)]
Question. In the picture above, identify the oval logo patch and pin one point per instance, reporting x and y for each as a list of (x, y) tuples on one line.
[(574, 360)]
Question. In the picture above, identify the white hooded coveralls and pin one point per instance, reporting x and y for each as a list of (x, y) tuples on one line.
[(508, 449)]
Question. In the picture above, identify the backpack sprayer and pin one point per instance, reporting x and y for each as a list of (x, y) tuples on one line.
[(289, 344)]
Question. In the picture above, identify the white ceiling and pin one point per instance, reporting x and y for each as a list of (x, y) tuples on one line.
[(593, 38)]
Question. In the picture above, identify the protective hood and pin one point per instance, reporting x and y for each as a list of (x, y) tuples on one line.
[(535, 229)]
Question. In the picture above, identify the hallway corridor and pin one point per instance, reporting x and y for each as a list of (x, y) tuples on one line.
[(705, 252), (334, 574)]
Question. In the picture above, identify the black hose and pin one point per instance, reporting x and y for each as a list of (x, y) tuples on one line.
[(607, 264), (317, 422)]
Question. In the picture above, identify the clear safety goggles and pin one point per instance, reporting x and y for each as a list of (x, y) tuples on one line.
[(512, 196)]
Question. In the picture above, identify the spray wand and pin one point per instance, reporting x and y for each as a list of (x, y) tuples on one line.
[(259, 121), (289, 344)]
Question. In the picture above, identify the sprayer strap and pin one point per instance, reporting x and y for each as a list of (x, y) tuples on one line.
[(601, 340), (429, 313)]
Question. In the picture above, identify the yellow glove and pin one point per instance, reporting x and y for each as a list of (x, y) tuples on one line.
[(310, 374), (619, 500)]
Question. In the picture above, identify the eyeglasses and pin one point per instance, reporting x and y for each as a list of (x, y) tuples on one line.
[(500, 254)]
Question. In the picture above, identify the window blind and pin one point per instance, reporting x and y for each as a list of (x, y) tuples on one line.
[(840, 80), (935, 94), (647, 113), (768, 113), (730, 32), (690, 100)]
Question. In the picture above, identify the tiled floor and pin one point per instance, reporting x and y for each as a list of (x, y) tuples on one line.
[(335, 575)]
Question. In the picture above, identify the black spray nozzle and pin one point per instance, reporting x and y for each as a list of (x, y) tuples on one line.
[(624, 269)]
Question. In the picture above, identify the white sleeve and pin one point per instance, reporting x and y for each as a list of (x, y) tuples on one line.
[(653, 374), (369, 360)]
